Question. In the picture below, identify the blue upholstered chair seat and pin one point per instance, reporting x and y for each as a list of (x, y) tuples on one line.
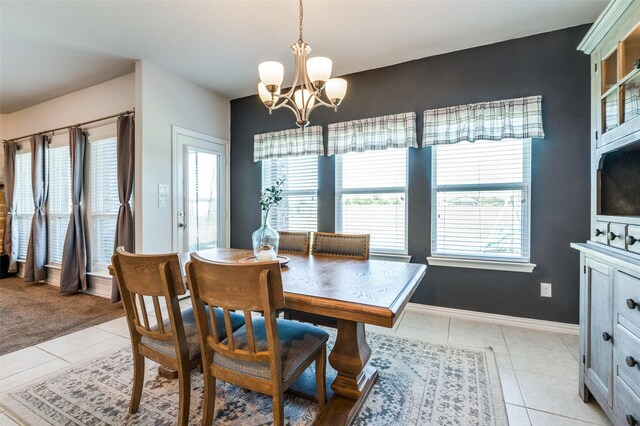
[(191, 331), (297, 342)]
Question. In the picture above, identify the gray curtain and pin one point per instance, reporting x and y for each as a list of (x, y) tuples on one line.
[(10, 243), (124, 225), (37, 248), (73, 276)]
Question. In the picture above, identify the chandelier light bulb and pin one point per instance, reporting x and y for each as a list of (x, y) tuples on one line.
[(271, 75), (336, 89), (319, 71), (267, 97), (301, 97)]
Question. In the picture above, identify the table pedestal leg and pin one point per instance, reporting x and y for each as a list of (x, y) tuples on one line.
[(355, 378)]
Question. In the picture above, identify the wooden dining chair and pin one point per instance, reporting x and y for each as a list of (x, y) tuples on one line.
[(172, 341), (294, 242), (354, 246), (267, 354)]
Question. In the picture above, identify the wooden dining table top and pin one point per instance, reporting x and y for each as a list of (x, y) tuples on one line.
[(368, 291)]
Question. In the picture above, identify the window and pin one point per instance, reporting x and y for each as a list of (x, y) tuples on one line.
[(24, 202), (480, 200), (104, 202), (59, 201), (298, 210), (371, 197)]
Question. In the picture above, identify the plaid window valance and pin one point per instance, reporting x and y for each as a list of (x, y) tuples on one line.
[(288, 143), (389, 131), (518, 118)]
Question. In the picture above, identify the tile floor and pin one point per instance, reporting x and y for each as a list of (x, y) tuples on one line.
[(538, 370)]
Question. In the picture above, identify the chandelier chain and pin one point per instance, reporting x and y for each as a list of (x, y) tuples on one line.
[(301, 15)]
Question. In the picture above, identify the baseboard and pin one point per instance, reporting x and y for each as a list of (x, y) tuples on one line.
[(98, 286), (536, 324)]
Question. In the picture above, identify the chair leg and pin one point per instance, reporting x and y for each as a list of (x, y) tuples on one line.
[(138, 382), (184, 381), (278, 409), (209, 399), (321, 364)]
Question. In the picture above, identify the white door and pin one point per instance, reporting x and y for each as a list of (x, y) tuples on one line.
[(200, 202)]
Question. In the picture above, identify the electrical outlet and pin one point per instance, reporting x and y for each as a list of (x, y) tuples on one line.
[(545, 289)]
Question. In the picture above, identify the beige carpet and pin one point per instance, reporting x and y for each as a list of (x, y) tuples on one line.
[(34, 313)]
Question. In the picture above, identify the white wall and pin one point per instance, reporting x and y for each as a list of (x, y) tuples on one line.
[(110, 97), (3, 129), (3, 125), (162, 100)]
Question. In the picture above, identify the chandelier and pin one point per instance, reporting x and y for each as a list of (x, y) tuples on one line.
[(312, 77)]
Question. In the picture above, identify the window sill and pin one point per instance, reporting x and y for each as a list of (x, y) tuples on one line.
[(100, 275), (390, 257), (54, 266), (481, 264)]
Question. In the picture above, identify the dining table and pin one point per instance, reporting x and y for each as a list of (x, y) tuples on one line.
[(353, 292)]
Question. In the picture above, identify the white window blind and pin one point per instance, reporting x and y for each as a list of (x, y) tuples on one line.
[(24, 202), (59, 201), (104, 201), (480, 200), (298, 210), (371, 197)]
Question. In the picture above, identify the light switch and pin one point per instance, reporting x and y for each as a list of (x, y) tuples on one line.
[(163, 189), (162, 202)]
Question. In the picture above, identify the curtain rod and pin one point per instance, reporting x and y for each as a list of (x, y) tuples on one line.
[(131, 111)]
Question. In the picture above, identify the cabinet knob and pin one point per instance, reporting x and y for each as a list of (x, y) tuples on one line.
[(611, 236), (598, 232), (630, 240), (632, 304), (631, 421), (606, 336), (631, 362)]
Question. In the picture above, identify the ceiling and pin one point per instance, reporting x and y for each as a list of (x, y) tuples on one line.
[(51, 48)]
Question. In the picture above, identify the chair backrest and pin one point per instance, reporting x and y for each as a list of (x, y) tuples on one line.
[(294, 242), (355, 246), (248, 287), (157, 276)]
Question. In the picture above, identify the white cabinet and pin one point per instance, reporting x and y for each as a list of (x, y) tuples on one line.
[(610, 332)]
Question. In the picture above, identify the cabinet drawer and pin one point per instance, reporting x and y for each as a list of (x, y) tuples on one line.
[(616, 235), (633, 231), (627, 297), (600, 232), (626, 403), (627, 357)]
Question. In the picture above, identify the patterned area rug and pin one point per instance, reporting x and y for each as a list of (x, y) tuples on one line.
[(420, 383)]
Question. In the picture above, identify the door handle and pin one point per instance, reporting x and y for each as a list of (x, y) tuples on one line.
[(182, 225), (606, 336)]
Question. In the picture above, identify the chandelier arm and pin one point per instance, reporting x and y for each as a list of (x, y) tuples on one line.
[(277, 105), (316, 105), (307, 85), (322, 102), (293, 108)]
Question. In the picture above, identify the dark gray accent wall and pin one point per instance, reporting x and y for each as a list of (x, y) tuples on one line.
[(545, 64)]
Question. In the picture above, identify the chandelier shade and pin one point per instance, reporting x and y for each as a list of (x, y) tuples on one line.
[(319, 70), (312, 85)]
